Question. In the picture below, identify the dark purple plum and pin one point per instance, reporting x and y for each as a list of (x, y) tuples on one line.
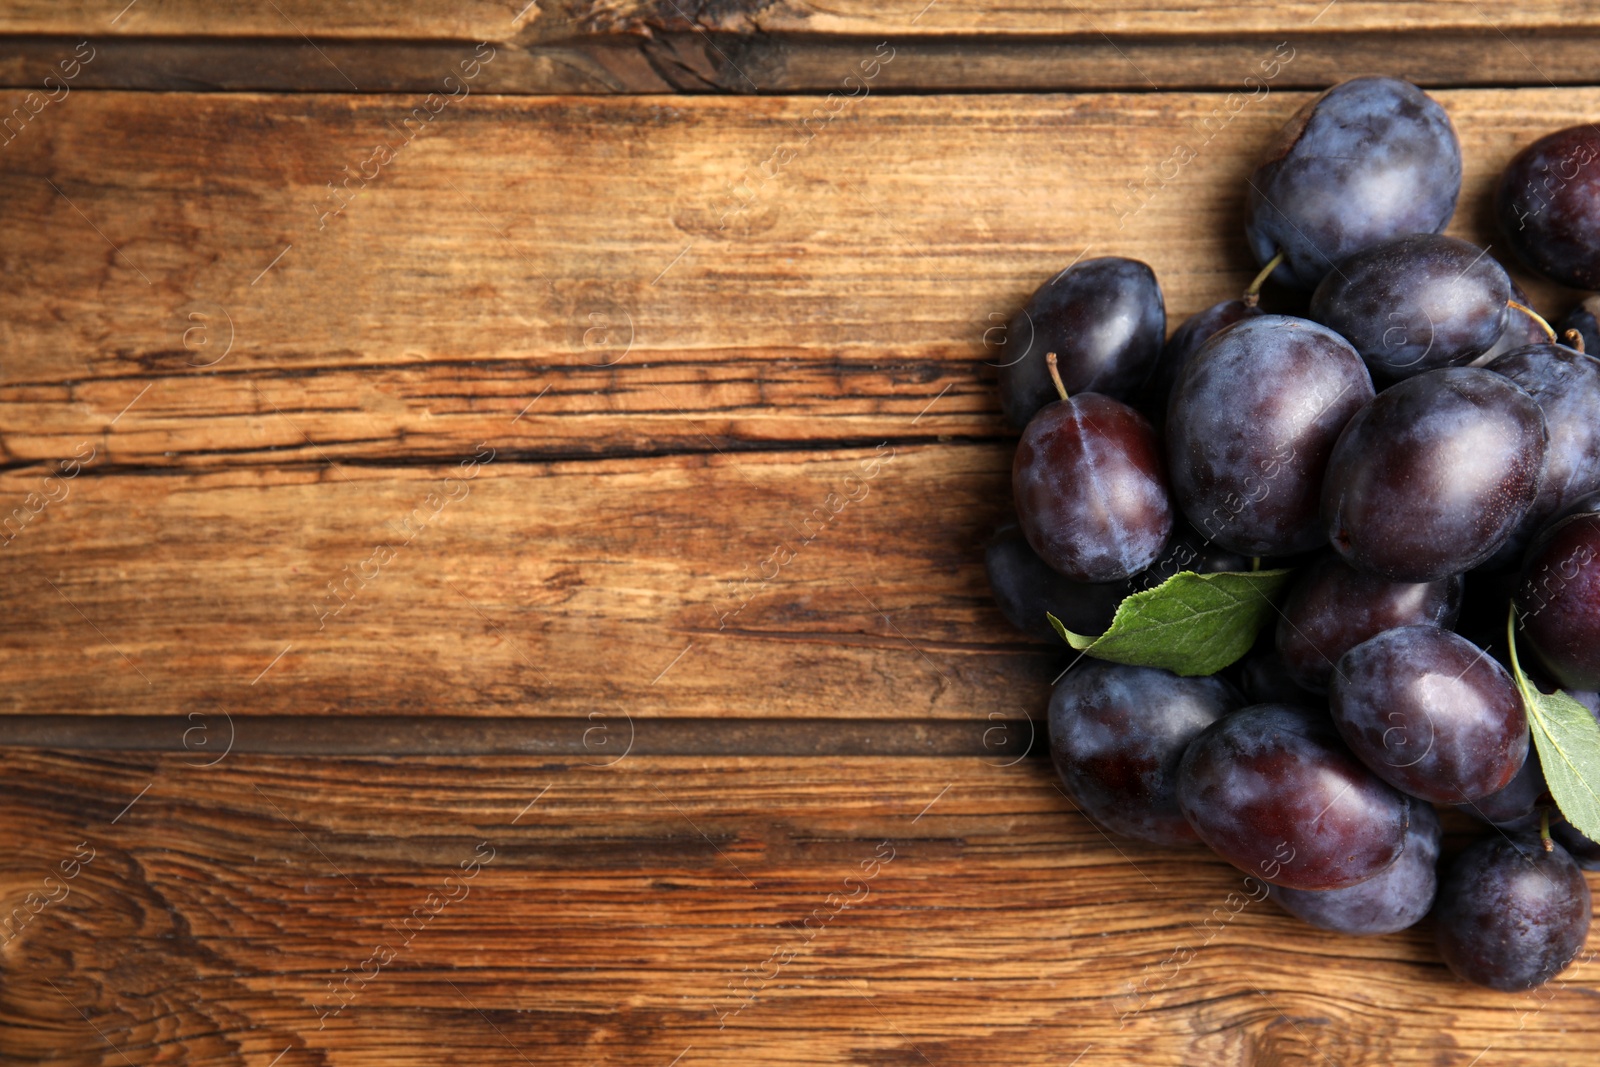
[(1548, 206), (1517, 807), (1434, 475), (1430, 713), (1090, 494), (1511, 916), (1273, 791), (1025, 588), (1369, 160), (1566, 386), (1116, 736), (1585, 318), (1558, 600), (1185, 341), (1415, 303), (1104, 319), (1388, 902), (1250, 425), (1332, 608)]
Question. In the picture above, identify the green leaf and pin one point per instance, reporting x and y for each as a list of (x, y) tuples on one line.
[(1189, 624), (1568, 741)]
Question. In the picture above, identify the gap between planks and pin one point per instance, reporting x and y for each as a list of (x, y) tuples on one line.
[(797, 63), (724, 445), (600, 737)]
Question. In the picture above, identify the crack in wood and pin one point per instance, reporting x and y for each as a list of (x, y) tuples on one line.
[(424, 735)]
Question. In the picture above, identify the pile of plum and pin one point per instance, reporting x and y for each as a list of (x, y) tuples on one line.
[(1421, 447)]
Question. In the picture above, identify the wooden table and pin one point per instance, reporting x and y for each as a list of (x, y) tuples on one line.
[(493, 569)]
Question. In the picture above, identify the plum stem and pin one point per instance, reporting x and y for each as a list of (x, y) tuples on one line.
[(1252, 292), (1055, 374), (1574, 340), (1526, 690), (1511, 647), (1536, 317)]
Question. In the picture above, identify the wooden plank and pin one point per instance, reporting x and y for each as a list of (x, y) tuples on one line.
[(476, 20), (721, 911), (1147, 17), (690, 62), (516, 20), (211, 64), (621, 261), (1451, 58), (840, 584)]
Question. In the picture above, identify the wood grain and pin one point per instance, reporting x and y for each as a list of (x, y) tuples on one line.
[(219, 64), (622, 260), (828, 584), (841, 911), (475, 20), (1147, 17), (508, 20), (214, 405)]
